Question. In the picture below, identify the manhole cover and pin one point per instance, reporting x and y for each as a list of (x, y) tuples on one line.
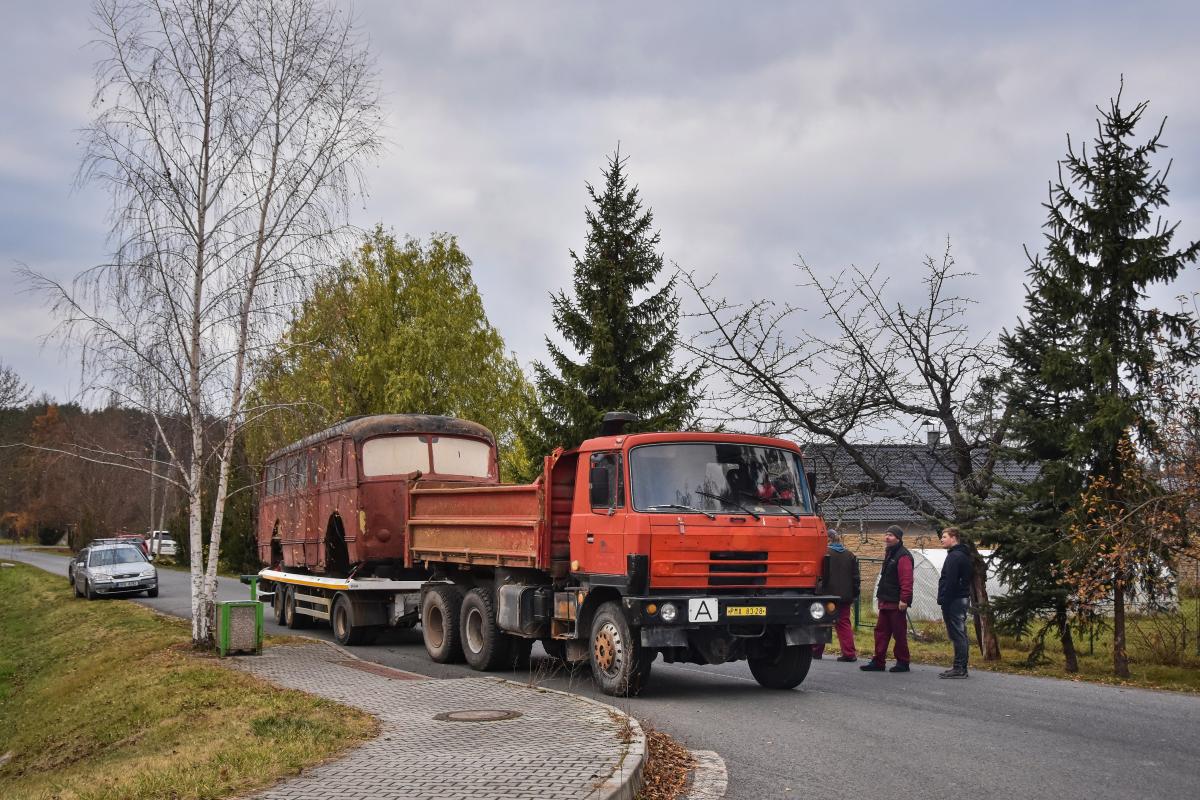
[(477, 715)]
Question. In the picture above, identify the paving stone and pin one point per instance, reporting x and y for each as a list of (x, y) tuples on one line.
[(562, 746)]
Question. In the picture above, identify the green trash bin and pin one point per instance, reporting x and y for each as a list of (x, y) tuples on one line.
[(239, 627)]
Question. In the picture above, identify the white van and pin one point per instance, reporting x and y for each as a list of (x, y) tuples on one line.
[(160, 543)]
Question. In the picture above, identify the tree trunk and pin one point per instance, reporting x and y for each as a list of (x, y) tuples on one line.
[(985, 619), (1120, 656), (1070, 657)]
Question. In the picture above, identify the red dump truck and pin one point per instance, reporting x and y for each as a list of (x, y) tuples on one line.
[(700, 548)]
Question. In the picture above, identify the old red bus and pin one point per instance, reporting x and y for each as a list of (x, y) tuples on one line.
[(335, 502)]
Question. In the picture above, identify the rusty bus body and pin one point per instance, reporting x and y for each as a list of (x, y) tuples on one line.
[(335, 503)]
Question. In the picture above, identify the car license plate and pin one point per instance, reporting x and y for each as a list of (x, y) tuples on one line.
[(746, 611), (126, 583)]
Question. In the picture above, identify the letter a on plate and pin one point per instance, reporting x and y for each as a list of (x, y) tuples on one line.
[(703, 609)]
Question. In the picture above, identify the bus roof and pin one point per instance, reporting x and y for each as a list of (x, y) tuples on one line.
[(364, 427)]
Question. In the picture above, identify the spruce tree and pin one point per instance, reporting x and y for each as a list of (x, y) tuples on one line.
[(1085, 358), (626, 345)]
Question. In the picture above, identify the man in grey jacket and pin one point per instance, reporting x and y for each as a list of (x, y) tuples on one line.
[(844, 581)]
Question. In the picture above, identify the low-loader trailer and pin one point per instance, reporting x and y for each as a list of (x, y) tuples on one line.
[(700, 548)]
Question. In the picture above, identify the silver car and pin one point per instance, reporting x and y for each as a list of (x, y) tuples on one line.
[(113, 569)]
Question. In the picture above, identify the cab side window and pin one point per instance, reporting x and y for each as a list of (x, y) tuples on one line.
[(606, 482)]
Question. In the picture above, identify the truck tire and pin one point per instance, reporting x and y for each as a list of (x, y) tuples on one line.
[(619, 664), (485, 646), (786, 669), (279, 604), (440, 608), (341, 620), (292, 618)]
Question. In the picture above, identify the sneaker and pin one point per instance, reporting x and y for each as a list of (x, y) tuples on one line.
[(872, 666), (953, 673), (847, 659), (900, 667)]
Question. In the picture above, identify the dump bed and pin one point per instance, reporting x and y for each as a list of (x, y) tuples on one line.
[(502, 526)]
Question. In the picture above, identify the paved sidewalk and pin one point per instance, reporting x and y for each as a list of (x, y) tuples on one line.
[(561, 745)]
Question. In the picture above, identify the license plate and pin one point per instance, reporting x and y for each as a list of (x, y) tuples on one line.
[(126, 583), (746, 611)]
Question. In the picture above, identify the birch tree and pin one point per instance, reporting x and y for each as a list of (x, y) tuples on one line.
[(230, 134)]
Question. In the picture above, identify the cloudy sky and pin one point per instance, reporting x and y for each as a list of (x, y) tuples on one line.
[(758, 133)]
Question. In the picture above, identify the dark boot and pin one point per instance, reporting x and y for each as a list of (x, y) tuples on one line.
[(953, 672), (900, 667), (872, 666)]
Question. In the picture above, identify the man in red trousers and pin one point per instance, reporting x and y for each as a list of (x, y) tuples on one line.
[(844, 581), (894, 595)]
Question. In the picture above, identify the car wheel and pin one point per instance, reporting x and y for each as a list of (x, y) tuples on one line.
[(75, 587), (88, 591), (152, 592)]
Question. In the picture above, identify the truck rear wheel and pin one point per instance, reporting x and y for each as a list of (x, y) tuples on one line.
[(619, 664), (341, 620), (440, 608), (786, 669), (484, 645), (292, 618), (279, 604)]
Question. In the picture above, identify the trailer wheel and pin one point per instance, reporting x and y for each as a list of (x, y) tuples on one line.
[(341, 619), (439, 623), (292, 618), (786, 669), (279, 604), (485, 646), (616, 655)]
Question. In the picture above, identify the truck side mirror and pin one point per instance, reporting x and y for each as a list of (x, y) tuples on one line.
[(811, 477)]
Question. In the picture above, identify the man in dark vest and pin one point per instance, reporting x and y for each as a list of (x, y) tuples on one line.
[(843, 581), (894, 595), (954, 592)]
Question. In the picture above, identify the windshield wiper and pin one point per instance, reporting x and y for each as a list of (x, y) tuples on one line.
[(708, 514), (727, 501), (778, 504)]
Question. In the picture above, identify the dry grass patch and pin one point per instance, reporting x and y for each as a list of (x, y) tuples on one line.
[(665, 773), (104, 700)]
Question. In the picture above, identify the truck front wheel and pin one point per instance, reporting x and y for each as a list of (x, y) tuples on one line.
[(440, 609), (619, 664), (785, 669)]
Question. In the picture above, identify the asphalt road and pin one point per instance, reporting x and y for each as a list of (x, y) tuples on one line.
[(850, 734)]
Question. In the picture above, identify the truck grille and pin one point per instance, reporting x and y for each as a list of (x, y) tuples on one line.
[(738, 562)]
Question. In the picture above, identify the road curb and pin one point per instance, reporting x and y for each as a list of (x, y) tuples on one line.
[(626, 779), (709, 778)]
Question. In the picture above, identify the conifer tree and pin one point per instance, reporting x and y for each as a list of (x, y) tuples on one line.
[(626, 345), (1085, 357)]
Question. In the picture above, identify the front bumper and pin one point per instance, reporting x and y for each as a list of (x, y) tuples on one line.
[(125, 587), (700, 611)]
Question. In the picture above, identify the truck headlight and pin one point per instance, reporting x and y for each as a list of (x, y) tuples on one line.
[(668, 612), (817, 610)]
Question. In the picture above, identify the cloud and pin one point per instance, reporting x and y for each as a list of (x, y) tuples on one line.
[(758, 134)]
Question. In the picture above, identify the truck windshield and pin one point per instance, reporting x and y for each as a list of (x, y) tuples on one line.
[(717, 477)]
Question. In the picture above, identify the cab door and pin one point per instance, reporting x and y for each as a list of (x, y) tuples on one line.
[(600, 521)]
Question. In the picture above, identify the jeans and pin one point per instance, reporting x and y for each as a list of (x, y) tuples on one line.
[(954, 614)]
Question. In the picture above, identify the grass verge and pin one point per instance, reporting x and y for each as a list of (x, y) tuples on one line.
[(105, 700), (1146, 662)]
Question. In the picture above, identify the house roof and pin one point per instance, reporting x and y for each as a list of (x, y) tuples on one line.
[(924, 470)]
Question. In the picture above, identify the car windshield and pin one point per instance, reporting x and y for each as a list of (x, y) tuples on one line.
[(718, 478), (115, 555)]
